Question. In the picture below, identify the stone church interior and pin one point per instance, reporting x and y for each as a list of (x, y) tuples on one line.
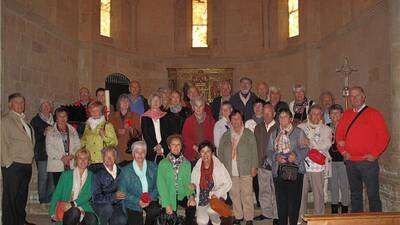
[(51, 49)]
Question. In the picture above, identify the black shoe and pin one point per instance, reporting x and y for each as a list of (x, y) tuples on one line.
[(261, 217), (275, 222), (250, 222), (345, 209), (335, 208), (27, 223), (236, 221)]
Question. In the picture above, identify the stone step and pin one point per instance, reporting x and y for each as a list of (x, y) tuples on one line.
[(37, 208)]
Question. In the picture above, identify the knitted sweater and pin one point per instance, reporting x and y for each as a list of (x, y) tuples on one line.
[(368, 134), (190, 134)]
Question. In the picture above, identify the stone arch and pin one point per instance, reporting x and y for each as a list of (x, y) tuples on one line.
[(118, 84)]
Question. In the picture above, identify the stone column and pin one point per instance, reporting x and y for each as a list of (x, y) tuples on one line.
[(1, 85), (390, 182), (133, 25)]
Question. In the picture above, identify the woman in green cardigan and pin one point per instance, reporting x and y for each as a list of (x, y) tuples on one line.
[(173, 181), (74, 189)]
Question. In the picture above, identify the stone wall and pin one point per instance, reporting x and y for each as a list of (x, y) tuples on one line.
[(38, 55)]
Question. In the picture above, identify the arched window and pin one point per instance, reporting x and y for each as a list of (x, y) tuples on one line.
[(105, 18), (293, 9), (199, 23)]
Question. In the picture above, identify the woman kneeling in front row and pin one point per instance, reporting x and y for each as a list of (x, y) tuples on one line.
[(138, 183), (212, 180), (74, 189)]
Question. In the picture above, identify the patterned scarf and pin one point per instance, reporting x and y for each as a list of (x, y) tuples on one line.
[(155, 115), (313, 133), (176, 164), (48, 120), (300, 107), (282, 141), (175, 109)]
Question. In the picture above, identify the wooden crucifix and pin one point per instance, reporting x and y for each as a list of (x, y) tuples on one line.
[(346, 69)]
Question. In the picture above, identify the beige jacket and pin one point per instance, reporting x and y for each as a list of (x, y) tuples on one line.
[(55, 148), (16, 145)]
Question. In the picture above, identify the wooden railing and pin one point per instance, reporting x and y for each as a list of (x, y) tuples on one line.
[(381, 218)]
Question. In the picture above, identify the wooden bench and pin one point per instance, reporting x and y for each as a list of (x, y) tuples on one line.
[(381, 218)]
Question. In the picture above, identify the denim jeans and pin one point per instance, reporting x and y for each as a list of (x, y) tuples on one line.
[(45, 182), (109, 214), (359, 173)]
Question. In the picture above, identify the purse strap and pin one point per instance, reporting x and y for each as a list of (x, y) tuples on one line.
[(354, 120)]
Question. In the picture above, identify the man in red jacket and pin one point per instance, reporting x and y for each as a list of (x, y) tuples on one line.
[(361, 143)]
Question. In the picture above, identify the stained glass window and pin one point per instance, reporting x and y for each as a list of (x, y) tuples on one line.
[(105, 18), (199, 24), (293, 7)]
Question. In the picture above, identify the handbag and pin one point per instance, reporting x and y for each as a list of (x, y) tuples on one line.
[(220, 207), (288, 171), (59, 215), (316, 156)]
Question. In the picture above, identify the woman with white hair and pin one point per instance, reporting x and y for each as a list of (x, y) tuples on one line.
[(156, 127), (300, 105), (41, 124), (138, 184)]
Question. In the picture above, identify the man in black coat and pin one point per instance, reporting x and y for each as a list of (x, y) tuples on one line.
[(244, 99), (275, 100), (225, 95), (41, 124)]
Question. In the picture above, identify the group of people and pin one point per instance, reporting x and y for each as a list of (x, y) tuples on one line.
[(175, 149)]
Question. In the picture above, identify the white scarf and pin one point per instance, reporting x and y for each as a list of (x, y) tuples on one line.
[(27, 128), (93, 123), (112, 172), (78, 182)]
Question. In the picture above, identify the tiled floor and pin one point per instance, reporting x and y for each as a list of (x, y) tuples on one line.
[(44, 220)]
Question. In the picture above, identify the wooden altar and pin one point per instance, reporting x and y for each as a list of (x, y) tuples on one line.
[(366, 218), (207, 80)]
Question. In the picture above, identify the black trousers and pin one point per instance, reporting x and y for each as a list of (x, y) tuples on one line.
[(16, 180), (190, 212), (256, 189), (72, 217), (56, 177), (359, 172), (288, 199), (136, 217)]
